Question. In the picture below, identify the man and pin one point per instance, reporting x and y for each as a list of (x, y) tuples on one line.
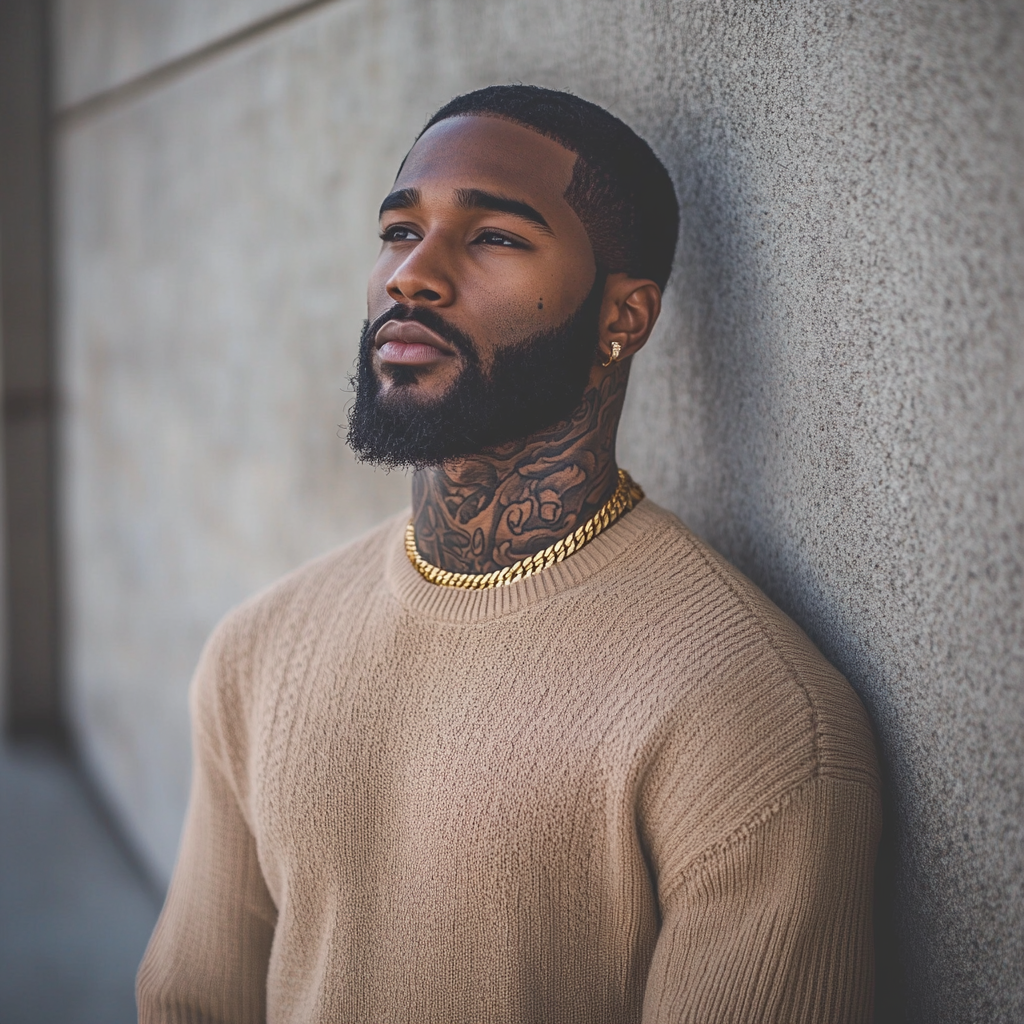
[(538, 754)]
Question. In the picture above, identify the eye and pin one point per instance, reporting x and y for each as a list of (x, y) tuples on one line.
[(399, 233), (497, 238)]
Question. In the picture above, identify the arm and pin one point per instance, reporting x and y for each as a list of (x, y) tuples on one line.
[(774, 923), (207, 959)]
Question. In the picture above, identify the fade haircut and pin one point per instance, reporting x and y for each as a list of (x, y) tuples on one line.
[(619, 189)]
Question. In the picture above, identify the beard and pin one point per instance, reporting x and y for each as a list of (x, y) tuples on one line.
[(535, 382)]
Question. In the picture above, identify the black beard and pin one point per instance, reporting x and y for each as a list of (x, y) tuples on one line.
[(534, 384)]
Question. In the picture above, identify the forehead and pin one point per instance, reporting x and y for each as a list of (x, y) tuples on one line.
[(488, 153)]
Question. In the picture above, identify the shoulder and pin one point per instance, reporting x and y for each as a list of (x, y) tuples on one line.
[(255, 639), (338, 575), (753, 711), (729, 653)]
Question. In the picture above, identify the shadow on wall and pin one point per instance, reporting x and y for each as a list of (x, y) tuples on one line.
[(733, 333)]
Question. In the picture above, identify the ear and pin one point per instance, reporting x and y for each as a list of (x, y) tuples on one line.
[(628, 314)]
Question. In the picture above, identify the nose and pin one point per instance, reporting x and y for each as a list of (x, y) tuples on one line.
[(423, 277)]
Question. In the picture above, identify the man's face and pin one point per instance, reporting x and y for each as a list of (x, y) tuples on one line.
[(483, 304)]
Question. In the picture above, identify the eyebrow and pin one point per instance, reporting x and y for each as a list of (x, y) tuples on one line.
[(475, 199), (469, 199), (401, 199)]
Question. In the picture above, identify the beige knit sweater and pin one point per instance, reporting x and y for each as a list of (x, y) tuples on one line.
[(626, 789)]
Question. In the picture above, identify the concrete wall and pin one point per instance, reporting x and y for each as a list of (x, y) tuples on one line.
[(833, 397)]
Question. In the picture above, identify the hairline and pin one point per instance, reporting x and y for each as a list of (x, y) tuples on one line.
[(508, 120)]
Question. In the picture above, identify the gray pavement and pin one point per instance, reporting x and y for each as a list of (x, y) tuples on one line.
[(75, 914)]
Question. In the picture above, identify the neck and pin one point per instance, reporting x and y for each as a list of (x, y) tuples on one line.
[(484, 512)]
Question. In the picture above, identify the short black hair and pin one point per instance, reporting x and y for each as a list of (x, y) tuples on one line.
[(619, 189)]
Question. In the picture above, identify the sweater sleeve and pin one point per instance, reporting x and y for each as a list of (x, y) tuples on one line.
[(208, 956), (774, 922)]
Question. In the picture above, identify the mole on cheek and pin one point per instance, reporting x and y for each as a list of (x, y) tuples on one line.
[(540, 303)]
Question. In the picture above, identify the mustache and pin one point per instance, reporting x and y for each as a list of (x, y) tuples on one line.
[(459, 340)]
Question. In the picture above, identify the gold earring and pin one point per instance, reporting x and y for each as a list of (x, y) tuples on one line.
[(614, 357)]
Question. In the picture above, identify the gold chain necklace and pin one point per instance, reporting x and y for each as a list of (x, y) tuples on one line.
[(626, 495)]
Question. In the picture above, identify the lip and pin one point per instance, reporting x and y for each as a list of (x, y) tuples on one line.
[(409, 343)]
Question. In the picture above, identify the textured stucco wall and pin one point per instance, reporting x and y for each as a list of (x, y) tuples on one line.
[(102, 44), (833, 396)]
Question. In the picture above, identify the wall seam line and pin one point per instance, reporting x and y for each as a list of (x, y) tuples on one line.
[(149, 81)]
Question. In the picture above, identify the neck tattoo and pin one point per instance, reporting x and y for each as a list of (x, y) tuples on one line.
[(485, 512)]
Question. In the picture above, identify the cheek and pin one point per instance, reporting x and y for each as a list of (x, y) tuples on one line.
[(557, 294), (518, 305), (509, 320)]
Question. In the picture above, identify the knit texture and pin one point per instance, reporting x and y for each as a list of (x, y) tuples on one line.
[(625, 789)]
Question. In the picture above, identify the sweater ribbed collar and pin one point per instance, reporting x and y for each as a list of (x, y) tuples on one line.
[(454, 605)]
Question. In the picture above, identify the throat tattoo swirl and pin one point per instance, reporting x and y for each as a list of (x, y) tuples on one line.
[(484, 512)]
